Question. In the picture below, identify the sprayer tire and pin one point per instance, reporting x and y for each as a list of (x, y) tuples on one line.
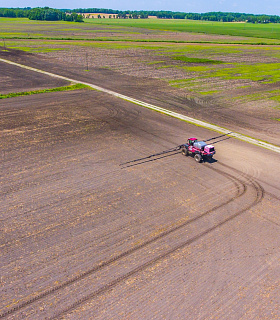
[(185, 152), (198, 157)]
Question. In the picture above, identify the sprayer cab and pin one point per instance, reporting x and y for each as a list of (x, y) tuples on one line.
[(191, 141)]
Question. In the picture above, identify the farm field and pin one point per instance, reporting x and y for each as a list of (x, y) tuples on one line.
[(228, 32), (86, 236), (221, 77)]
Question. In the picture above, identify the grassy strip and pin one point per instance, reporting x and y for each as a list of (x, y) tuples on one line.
[(196, 60), (28, 93), (245, 42), (262, 73), (271, 94), (265, 72)]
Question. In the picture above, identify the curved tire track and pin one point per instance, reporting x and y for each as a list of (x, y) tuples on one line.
[(241, 188), (259, 194)]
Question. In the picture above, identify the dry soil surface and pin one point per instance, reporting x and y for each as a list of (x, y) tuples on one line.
[(255, 119), (17, 80), (85, 236)]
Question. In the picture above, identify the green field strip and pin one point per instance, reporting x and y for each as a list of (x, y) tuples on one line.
[(266, 31), (107, 39), (77, 86)]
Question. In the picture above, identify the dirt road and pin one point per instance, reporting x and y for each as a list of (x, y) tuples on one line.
[(85, 238)]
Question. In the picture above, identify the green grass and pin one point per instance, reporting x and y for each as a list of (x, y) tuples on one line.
[(277, 98), (264, 72), (209, 92), (35, 49), (155, 62), (259, 72), (265, 31), (262, 95), (77, 86), (181, 83), (196, 60)]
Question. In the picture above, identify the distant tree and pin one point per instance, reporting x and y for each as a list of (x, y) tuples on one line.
[(36, 14), (143, 16), (51, 15), (179, 15), (68, 17), (252, 19), (122, 15), (79, 18), (9, 13), (164, 14)]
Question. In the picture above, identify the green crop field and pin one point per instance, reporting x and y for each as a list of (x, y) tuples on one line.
[(266, 31)]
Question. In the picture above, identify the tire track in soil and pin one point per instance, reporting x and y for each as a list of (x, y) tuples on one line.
[(258, 197), (123, 227), (241, 189), (265, 192), (120, 228), (113, 112), (271, 186)]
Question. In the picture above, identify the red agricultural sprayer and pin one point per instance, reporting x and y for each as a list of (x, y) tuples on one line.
[(200, 150)]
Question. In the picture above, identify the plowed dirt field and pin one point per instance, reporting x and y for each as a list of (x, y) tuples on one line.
[(84, 237)]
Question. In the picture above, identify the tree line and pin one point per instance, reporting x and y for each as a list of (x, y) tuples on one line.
[(209, 16), (47, 13)]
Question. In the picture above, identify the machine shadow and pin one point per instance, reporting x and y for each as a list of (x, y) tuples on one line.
[(221, 140), (150, 160), (210, 160)]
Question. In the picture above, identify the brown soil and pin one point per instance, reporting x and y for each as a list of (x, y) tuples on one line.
[(143, 85), (85, 238), (17, 80), (133, 65)]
